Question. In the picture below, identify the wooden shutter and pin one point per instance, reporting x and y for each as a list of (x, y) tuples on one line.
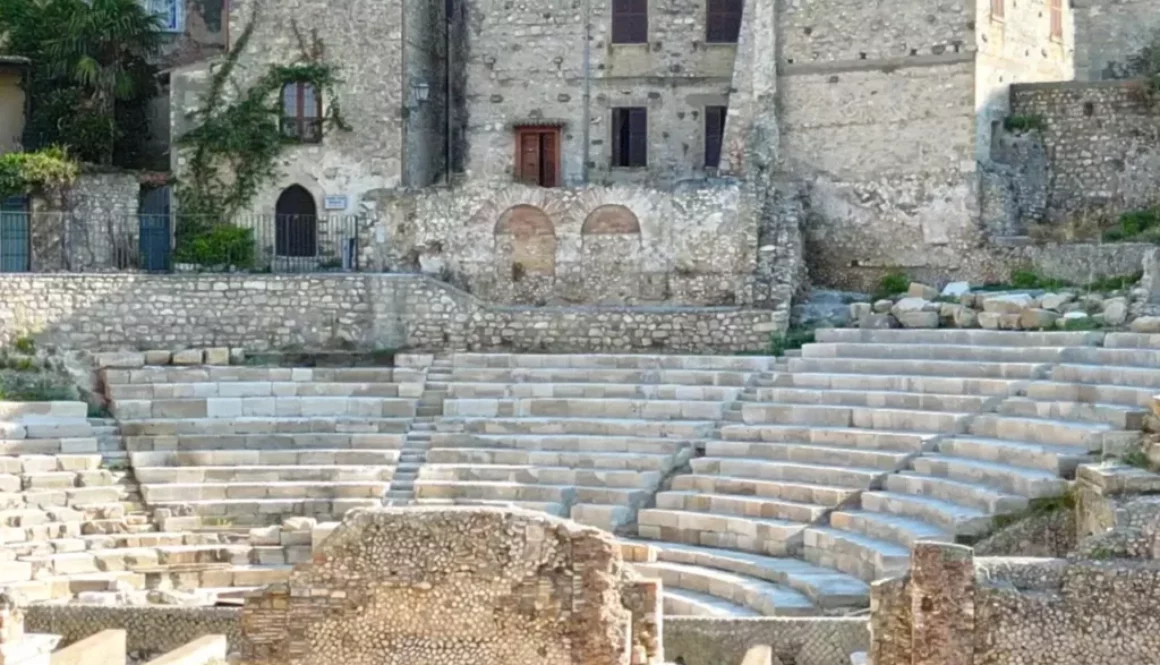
[(629, 21), (529, 158), (714, 132), (637, 137), (548, 152), (723, 21), (1056, 19)]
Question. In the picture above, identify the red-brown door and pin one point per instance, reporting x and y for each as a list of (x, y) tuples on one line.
[(538, 156)]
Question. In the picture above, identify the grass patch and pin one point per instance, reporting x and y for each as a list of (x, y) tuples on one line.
[(29, 387), (794, 338), (1081, 325), (1137, 458), (1136, 226), (891, 284), (1035, 508), (1116, 283)]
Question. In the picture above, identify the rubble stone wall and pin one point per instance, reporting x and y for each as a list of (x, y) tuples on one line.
[(798, 640), (1108, 35), (92, 227), (369, 311), (149, 629), (452, 586)]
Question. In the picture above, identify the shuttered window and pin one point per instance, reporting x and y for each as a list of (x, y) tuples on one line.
[(723, 21), (301, 112), (1056, 19), (714, 133), (629, 21), (630, 137)]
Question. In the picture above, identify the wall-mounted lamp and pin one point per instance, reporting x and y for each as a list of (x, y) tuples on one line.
[(420, 91)]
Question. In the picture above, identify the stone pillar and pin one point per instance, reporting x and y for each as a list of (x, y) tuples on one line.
[(1151, 281), (942, 604)]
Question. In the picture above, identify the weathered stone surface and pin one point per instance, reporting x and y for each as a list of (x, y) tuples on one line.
[(1037, 319), (878, 321), (1150, 282), (1010, 303), (188, 357), (918, 319), (1115, 311), (989, 320), (859, 310), (913, 305), (158, 357), (956, 289), (121, 360), (965, 317), (924, 291), (1056, 301), (883, 306), (1146, 324), (217, 356)]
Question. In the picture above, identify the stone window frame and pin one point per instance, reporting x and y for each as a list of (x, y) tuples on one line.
[(629, 21), (723, 21), (629, 147), (296, 123), (171, 13)]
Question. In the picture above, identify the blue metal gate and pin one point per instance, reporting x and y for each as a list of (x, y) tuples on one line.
[(15, 239), (155, 233)]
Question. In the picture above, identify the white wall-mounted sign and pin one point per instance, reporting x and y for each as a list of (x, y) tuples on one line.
[(335, 202)]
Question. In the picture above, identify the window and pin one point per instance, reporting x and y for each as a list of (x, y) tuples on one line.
[(1056, 19), (301, 112), (630, 137), (714, 132), (998, 9), (171, 13), (629, 21), (723, 21)]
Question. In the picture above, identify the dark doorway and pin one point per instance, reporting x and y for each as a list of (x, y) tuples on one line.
[(296, 223), (538, 156), (154, 229)]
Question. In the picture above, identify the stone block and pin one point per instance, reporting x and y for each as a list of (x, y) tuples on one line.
[(217, 356), (1037, 319), (918, 319), (859, 309), (237, 356), (1146, 324), (1009, 303), (1115, 311), (923, 291), (1151, 280), (965, 317), (989, 320), (912, 305), (878, 322), (158, 357), (266, 535), (1056, 301), (188, 357), (120, 360), (883, 306), (956, 289)]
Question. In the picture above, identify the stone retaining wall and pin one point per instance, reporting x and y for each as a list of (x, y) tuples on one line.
[(798, 640), (149, 629), (373, 311)]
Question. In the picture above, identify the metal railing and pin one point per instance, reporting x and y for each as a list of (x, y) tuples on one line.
[(79, 242)]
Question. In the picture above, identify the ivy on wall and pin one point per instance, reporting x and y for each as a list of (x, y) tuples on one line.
[(234, 148), (45, 170)]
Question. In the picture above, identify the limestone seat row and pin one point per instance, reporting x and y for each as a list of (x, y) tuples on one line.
[(247, 446)]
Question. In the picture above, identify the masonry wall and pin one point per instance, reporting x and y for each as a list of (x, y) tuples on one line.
[(675, 75), (424, 121), (11, 110), (93, 226), (149, 629), (616, 245), (1108, 34), (1102, 142), (264, 312), (798, 640)]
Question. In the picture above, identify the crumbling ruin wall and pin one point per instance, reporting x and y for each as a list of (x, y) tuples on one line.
[(470, 586)]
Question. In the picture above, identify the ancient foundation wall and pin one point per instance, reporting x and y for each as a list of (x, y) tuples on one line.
[(798, 640), (149, 630), (369, 311)]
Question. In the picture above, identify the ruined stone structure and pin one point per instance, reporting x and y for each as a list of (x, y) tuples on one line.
[(455, 586)]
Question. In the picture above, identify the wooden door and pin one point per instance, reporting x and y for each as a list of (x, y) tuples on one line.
[(538, 156)]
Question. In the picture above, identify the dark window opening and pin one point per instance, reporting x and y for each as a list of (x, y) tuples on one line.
[(629, 21), (723, 21), (630, 137), (714, 133), (301, 112)]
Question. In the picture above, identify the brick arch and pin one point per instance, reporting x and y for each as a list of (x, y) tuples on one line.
[(611, 219), (525, 246)]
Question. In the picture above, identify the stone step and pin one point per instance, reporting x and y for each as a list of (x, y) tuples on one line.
[(604, 516), (854, 553), (255, 389), (264, 512), (512, 491), (533, 475), (1006, 478), (968, 494), (586, 375), (264, 442), (46, 427), (557, 509), (845, 437), (41, 463), (620, 360), (645, 444), (886, 460), (659, 462), (798, 492), (18, 411), (1140, 377), (767, 598), (276, 490), (957, 368), (826, 588), (265, 458), (593, 391), (1060, 460), (1088, 436), (959, 336), (616, 427), (234, 374), (949, 518), (1090, 393), (905, 531), (576, 407), (218, 408), (681, 602), (1127, 340), (751, 534), (259, 474), (958, 352), (733, 504), (853, 416), (1131, 357), (247, 425), (1117, 416), (874, 398), (817, 474), (49, 446)]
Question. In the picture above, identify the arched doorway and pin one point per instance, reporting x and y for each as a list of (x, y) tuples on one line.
[(296, 223)]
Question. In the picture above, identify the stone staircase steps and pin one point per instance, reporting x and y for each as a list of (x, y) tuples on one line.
[(936, 352), (1138, 377), (798, 492), (540, 475), (890, 527), (853, 416), (264, 442), (557, 509), (644, 409), (260, 474), (633, 391), (614, 427), (766, 598), (253, 425), (854, 553), (230, 408), (1090, 436), (885, 399), (846, 437), (733, 504), (1114, 415), (973, 337), (1090, 393), (1006, 478), (939, 385), (788, 451), (956, 368), (264, 512), (274, 490), (949, 518), (611, 361), (681, 602), (266, 458), (1060, 460), (154, 392), (1127, 340), (959, 492), (602, 461), (164, 374), (1113, 357), (600, 444), (787, 471), (750, 534)]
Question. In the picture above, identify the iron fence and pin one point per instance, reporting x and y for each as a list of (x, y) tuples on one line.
[(32, 241)]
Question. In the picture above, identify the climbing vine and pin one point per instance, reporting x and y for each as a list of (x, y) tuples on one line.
[(29, 172), (234, 147)]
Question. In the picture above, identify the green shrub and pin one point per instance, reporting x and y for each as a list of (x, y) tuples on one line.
[(25, 345), (1136, 225), (1029, 279), (1024, 123), (1117, 282), (794, 338), (891, 284), (219, 245), (1080, 325), (23, 387)]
